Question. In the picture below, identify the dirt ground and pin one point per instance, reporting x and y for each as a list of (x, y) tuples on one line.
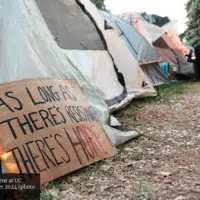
[(162, 164)]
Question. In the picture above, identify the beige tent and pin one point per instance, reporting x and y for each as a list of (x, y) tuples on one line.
[(137, 83), (139, 47)]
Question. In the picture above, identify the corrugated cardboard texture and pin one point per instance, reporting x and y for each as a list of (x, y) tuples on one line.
[(48, 127)]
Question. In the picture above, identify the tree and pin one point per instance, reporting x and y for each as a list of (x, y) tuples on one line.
[(99, 4), (192, 34)]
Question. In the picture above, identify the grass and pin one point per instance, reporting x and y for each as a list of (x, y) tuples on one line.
[(164, 93), (46, 196), (51, 185)]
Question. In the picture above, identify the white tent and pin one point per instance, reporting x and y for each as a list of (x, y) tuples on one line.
[(28, 50), (73, 29)]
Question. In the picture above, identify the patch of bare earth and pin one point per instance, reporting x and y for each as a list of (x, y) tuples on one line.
[(163, 164)]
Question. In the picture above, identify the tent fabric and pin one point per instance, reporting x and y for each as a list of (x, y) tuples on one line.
[(153, 32), (66, 19), (155, 19), (155, 74), (127, 64), (137, 44), (172, 30), (125, 61), (186, 68), (39, 56), (150, 31), (96, 67), (74, 29), (169, 27), (165, 52), (177, 42), (169, 52)]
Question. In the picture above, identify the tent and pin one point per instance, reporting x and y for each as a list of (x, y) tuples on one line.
[(140, 48), (76, 20), (171, 31), (178, 50), (79, 37), (168, 50), (137, 83), (151, 32), (165, 40), (28, 50)]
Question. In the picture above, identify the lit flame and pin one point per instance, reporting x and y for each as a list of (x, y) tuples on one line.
[(10, 167), (5, 156)]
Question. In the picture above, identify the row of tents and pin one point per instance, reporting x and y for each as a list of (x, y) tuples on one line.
[(113, 58)]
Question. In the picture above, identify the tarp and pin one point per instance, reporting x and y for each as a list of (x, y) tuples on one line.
[(172, 30), (150, 31), (28, 50)]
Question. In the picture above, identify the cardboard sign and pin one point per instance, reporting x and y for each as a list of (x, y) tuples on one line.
[(47, 127)]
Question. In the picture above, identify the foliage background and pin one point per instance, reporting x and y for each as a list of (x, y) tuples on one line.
[(192, 34)]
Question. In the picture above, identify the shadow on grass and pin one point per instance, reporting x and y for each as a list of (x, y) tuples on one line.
[(164, 95), (164, 92)]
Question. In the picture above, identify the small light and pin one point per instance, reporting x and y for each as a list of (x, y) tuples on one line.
[(5, 156)]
